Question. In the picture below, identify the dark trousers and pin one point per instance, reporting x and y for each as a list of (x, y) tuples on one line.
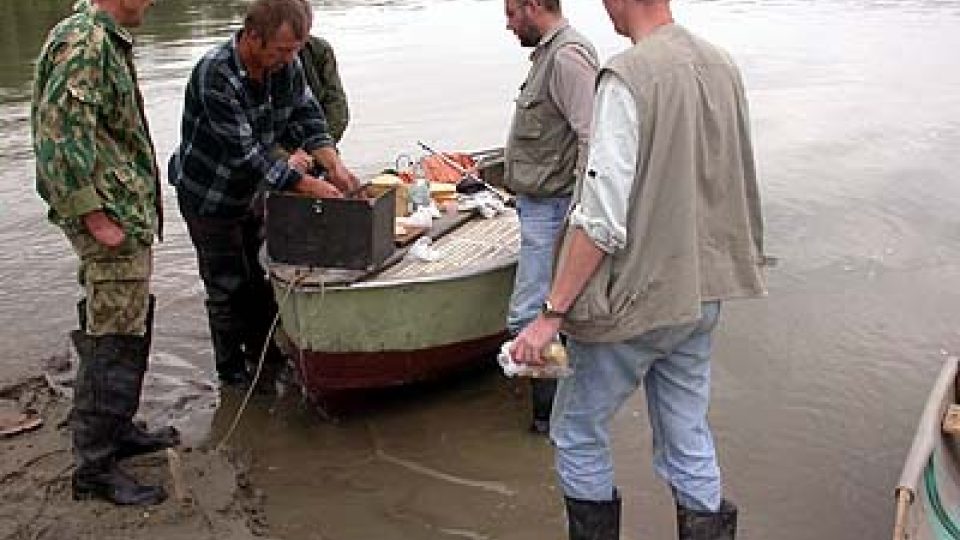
[(240, 303)]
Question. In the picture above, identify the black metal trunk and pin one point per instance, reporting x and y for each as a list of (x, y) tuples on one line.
[(355, 234)]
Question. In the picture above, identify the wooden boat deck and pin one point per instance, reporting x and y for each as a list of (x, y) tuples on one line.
[(478, 245)]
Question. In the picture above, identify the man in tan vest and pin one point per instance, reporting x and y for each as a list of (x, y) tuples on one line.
[(545, 151), (665, 225)]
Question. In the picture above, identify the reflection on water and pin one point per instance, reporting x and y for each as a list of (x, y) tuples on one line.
[(857, 121)]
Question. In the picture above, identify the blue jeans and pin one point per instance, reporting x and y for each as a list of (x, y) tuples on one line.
[(541, 222), (673, 364)]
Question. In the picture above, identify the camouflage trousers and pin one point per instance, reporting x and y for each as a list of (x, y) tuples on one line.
[(117, 285)]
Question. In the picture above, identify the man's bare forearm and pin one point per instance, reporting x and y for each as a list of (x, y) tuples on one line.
[(327, 156), (576, 266)]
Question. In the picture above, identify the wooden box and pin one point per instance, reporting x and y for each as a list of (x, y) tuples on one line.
[(355, 234), (401, 192)]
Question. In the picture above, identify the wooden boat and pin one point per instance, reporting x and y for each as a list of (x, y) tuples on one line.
[(412, 321), (928, 493)]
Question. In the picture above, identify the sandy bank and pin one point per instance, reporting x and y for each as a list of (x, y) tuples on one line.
[(36, 502)]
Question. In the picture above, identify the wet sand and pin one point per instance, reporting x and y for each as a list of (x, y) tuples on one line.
[(35, 496)]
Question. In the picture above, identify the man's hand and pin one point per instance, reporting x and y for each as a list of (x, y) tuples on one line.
[(343, 178), (103, 229), (528, 346), (315, 187), (337, 172), (300, 161)]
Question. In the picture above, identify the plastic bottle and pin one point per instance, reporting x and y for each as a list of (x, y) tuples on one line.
[(419, 194)]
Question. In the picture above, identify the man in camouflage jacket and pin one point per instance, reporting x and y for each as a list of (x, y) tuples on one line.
[(322, 76), (320, 68), (96, 170)]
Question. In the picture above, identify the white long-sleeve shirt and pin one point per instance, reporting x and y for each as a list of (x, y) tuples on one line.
[(611, 165)]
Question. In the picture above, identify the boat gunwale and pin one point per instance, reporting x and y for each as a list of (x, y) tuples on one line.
[(925, 441), (928, 428)]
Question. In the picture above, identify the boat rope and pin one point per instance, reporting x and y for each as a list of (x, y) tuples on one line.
[(933, 495), (263, 355)]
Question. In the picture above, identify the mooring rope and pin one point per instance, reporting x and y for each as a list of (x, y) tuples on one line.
[(298, 278)]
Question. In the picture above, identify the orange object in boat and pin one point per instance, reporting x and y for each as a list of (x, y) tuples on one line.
[(437, 171)]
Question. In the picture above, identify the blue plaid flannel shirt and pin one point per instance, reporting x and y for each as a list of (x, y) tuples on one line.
[(230, 126)]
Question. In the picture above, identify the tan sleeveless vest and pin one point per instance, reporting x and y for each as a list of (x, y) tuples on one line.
[(695, 231)]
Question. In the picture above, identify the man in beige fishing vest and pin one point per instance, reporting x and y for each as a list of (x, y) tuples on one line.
[(545, 151), (665, 225)]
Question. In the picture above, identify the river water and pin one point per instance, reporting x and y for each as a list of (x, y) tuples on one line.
[(856, 112)]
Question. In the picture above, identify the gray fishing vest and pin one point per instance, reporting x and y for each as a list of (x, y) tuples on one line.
[(541, 151)]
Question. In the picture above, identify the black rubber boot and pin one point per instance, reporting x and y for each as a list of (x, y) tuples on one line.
[(134, 439), (696, 525), (259, 309), (104, 400), (226, 332), (594, 520), (541, 394), (97, 475)]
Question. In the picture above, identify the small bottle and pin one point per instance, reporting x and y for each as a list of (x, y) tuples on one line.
[(420, 194)]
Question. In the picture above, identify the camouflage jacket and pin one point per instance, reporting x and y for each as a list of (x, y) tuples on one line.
[(320, 68), (90, 135)]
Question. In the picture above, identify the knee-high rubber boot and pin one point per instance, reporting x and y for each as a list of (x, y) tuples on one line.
[(541, 395), (102, 399), (226, 331), (134, 439), (593, 520), (719, 525), (260, 309)]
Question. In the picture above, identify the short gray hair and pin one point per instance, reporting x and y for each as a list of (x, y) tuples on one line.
[(265, 17)]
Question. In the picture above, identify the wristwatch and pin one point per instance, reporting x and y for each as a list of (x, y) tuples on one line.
[(550, 312)]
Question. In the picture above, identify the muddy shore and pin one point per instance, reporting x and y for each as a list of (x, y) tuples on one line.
[(35, 496)]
